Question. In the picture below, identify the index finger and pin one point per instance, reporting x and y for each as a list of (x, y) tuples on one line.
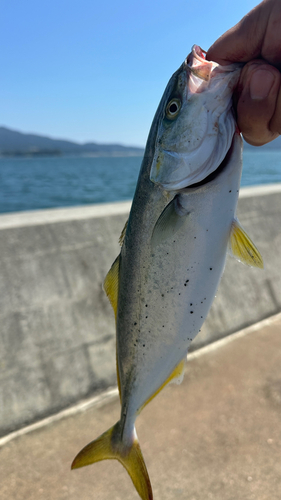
[(257, 35)]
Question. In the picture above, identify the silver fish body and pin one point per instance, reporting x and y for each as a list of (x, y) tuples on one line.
[(181, 225), (168, 281)]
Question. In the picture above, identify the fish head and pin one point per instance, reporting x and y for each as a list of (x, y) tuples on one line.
[(196, 123)]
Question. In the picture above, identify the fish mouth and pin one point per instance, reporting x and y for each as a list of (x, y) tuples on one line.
[(197, 65)]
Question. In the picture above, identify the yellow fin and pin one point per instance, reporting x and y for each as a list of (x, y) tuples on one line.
[(122, 235), (111, 284), (176, 376), (243, 248), (110, 446)]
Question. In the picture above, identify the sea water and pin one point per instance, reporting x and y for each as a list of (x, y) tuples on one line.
[(51, 182)]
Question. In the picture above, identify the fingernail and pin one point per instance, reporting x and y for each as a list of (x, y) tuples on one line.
[(260, 84)]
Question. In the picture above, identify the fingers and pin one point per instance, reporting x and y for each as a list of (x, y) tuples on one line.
[(258, 96), (259, 103), (244, 41), (258, 34)]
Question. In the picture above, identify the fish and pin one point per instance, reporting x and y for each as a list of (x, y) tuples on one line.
[(174, 245)]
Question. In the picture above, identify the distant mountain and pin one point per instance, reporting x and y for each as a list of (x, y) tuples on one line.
[(13, 143)]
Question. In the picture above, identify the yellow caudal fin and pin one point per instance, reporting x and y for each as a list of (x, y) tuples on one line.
[(242, 247), (110, 446)]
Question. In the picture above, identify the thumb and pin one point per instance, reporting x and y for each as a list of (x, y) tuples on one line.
[(258, 107)]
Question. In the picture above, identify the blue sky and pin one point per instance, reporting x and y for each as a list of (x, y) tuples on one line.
[(95, 70)]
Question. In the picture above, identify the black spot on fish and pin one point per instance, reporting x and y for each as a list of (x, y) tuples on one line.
[(143, 345), (162, 295), (201, 317), (145, 305), (211, 268), (146, 317), (230, 191), (191, 304), (135, 323), (191, 312)]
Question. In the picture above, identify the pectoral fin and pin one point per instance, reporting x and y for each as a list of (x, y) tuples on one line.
[(242, 247), (170, 221), (111, 284)]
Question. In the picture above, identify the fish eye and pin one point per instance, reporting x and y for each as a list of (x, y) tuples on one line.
[(173, 108)]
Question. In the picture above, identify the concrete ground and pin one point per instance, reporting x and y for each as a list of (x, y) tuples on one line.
[(217, 436)]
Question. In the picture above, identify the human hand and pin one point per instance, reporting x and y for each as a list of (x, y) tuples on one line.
[(255, 40)]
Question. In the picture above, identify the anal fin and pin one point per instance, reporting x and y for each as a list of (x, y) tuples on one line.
[(175, 377)]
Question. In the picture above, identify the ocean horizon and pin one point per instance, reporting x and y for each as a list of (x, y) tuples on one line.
[(52, 182)]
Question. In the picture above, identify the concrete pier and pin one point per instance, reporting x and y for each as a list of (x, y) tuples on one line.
[(57, 336), (217, 436)]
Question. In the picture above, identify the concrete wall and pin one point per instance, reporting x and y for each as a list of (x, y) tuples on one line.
[(57, 333)]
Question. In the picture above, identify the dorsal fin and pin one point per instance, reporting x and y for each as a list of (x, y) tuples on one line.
[(122, 235), (242, 247), (111, 284)]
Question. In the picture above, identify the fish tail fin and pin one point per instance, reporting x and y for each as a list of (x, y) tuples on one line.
[(111, 446)]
